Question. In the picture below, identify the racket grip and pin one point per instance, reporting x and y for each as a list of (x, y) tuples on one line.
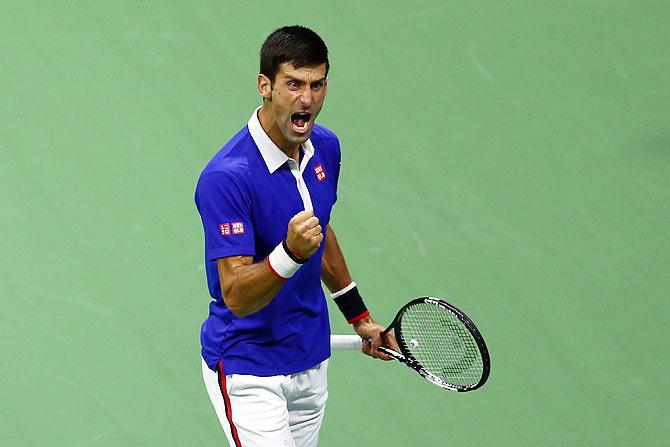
[(351, 342)]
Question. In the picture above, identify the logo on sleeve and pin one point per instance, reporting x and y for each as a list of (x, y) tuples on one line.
[(238, 228), (231, 228), (320, 173)]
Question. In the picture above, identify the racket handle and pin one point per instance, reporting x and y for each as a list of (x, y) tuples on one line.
[(351, 342)]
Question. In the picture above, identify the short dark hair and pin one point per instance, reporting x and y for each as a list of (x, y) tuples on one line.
[(296, 44)]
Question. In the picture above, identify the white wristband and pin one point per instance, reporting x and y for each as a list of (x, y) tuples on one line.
[(281, 264), (343, 291)]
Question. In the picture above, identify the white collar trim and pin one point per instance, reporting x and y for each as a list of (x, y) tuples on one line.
[(273, 156)]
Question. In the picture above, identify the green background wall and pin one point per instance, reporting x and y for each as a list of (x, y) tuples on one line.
[(512, 157)]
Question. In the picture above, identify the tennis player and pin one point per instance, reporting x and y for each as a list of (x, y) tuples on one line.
[(265, 201)]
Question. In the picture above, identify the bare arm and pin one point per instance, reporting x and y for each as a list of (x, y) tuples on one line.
[(335, 274), (247, 287), (334, 271)]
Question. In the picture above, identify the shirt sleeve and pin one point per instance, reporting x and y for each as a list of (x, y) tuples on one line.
[(224, 204)]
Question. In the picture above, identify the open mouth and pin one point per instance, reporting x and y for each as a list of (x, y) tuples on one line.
[(300, 121)]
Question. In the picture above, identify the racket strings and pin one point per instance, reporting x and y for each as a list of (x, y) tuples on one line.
[(442, 344)]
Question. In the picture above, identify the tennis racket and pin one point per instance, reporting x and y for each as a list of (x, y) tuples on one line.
[(438, 341)]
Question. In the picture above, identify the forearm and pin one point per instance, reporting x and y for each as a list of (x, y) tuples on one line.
[(335, 275), (247, 287), (334, 271)]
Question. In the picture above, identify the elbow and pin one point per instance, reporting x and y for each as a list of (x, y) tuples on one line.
[(235, 305)]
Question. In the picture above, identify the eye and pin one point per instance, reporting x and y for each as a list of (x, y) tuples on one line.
[(317, 85), (293, 85)]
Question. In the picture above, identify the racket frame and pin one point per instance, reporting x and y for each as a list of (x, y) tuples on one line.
[(408, 359)]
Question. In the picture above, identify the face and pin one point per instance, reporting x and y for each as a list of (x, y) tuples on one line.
[(295, 99)]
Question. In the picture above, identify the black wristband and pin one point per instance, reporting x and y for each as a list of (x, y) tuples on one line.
[(293, 257), (351, 305)]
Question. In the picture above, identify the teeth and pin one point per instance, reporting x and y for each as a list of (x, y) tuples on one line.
[(300, 121), (300, 126)]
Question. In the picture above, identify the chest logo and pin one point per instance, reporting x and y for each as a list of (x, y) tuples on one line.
[(225, 229), (320, 173)]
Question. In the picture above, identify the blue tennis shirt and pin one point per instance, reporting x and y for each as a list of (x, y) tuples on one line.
[(246, 196)]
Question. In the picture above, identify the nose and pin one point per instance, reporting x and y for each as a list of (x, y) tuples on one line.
[(306, 97)]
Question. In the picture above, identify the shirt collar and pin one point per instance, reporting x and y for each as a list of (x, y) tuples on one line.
[(273, 156)]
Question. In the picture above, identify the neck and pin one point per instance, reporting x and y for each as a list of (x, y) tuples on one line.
[(269, 125)]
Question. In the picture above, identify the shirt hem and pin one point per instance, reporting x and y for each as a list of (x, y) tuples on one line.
[(217, 253), (235, 367)]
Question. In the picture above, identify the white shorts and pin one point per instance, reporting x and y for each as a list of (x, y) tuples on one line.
[(269, 411)]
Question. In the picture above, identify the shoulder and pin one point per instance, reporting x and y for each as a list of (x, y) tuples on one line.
[(325, 141), (322, 133), (232, 163), (235, 158)]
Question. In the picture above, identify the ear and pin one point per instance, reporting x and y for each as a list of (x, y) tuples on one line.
[(265, 87)]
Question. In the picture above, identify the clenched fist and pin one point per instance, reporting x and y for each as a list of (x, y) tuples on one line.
[(304, 235)]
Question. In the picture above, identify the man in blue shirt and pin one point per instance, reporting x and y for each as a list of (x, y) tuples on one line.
[(265, 201)]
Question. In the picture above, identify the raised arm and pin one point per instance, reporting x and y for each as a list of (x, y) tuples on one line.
[(249, 287)]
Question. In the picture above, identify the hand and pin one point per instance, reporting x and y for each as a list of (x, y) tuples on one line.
[(304, 235), (371, 333)]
